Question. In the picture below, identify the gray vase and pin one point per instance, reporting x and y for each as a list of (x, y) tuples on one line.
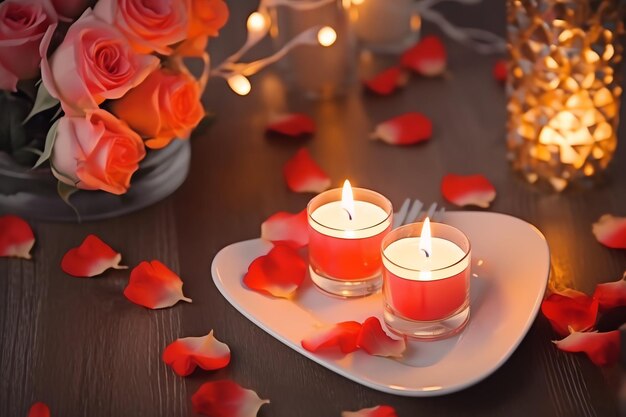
[(33, 193)]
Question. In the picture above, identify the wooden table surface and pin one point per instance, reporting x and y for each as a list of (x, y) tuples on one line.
[(80, 346)]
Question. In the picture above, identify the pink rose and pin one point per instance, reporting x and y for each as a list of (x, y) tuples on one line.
[(96, 152), (71, 8), (94, 63), (150, 25), (164, 107), (22, 26)]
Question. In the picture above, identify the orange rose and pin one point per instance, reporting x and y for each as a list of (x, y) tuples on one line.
[(207, 17), (148, 25), (96, 152), (165, 106)]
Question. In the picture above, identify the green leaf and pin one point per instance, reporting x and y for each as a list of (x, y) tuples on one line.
[(43, 102), (66, 191), (50, 139)]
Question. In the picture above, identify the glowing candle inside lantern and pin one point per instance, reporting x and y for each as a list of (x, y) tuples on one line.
[(426, 278), (346, 228)]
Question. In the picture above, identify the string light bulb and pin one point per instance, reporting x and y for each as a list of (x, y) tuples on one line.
[(256, 22), (326, 36), (239, 84)]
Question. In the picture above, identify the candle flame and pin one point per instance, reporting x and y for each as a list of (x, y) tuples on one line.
[(426, 244), (326, 36), (256, 22), (239, 84), (347, 199)]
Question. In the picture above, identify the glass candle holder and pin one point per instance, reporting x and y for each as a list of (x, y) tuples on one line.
[(344, 253), (318, 72), (386, 26), (563, 87), (426, 295)]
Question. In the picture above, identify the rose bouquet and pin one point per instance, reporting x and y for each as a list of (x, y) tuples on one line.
[(90, 87)]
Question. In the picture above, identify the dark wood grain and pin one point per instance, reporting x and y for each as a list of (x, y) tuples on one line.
[(80, 346)]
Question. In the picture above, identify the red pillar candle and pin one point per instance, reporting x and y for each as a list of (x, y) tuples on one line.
[(345, 234), (426, 280)]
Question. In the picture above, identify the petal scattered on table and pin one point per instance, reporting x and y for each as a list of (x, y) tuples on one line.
[(39, 409), (611, 294), (427, 57), (406, 129), (91, 258), (293, 124), (500, 71), (611, 231), (279, 273), (16, 237), (342, 335), (378, 411), (387, 81), (468, 190), (186, 353), (303, 175), (226, 398), (602, 348), (154, 285), (570, 309), (373, 339), (286, 229)]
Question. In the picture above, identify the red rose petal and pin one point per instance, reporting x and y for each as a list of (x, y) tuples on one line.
[(153, 285), (184, 354), (342, 335), (570, 310), (373, 339), (602, 348), (279, 273), (611, 294), (16, 237), (378, 411), (39, 410), (387, 81), (303, 175), (294, 124), (468, 190), (91, 258), (500, 70), (406, 129), (226, 399), (286, 229), (427, 57), (611, 231)]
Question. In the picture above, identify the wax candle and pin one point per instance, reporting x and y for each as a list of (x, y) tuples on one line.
[(344, 241), (426, 280)]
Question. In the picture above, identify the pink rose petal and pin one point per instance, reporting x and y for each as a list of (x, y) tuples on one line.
[(611, 231), (378, 411), (570, 310), (286, 229), (185, 354), (387, 81), (153, 285), (39, 410), (406, 129), (602, 348), (341, 335), (16, 237), (292, 124), (427, 57), (468, 190), (611, 294), (303, 175), (279, 273), (373, 339), (91, 258), (226, 399)]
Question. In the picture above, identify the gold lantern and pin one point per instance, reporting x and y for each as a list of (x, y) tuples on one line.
[(563, 89)]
